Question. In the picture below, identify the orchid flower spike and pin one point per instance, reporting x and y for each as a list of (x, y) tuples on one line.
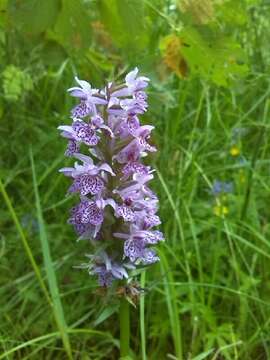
[(117, 210)]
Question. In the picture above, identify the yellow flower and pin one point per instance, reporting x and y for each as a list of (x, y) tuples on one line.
[(221, 210), (234, 151)]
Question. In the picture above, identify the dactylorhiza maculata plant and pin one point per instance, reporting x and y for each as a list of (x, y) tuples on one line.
[(117, 210)]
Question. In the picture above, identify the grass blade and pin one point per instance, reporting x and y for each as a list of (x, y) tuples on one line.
[(172, 306), (55, 335), (25, 242), (57, 305)]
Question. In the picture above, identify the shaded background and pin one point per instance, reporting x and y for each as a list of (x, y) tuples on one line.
[(208, 61)]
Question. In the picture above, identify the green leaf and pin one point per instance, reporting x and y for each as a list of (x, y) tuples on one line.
[(125, 20), (33, 16), (73, 27), (53, 53), (212, 56), (233, 12)]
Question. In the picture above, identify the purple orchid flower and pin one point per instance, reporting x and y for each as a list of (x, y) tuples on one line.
[(136, 242), (115, 199), (133, 84), (106, 268), (89, 98)]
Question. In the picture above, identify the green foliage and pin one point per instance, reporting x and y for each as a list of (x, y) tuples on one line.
[(33, 16), (218, 58), (234, 13), (207, 48), (15, 83), (209, 102), (120, 15), (73, 26)]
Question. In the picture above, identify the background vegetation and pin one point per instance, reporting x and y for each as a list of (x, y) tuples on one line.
[(208, 60)]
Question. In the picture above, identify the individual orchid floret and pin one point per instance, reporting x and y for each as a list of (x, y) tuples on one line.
[(133, 84), (106, 268), (88, 178), (89, 99), (117, 210), (135, 245), (79, 132)]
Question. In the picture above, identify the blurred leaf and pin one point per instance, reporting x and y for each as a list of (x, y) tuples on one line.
[(208, 11), (125, 21), (233, 12), (53, 53), (212, 56), (72, 29), (33, 16)]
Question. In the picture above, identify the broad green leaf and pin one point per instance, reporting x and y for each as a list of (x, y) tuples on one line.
[(53, 53), (131, 13), (33, 16), (73, 27), (125, 20), (215, 57)]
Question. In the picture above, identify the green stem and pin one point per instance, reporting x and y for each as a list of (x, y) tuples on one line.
[(124, 328), (257, 148), (142, 322)]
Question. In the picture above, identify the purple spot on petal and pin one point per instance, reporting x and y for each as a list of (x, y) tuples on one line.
[(125, 212), (72, 148), (81, 110)]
